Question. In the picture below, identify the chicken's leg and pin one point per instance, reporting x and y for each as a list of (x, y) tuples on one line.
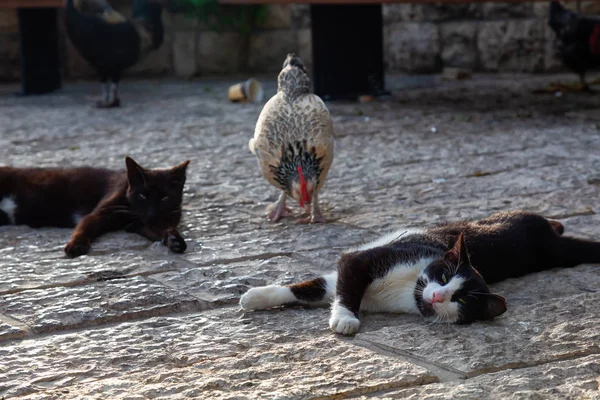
[(278, 209), (315, 212), (111, 96), (105, 93), (584, 85)]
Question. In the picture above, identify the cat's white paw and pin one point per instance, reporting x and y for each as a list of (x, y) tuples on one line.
[(343, 320), (265, 297)]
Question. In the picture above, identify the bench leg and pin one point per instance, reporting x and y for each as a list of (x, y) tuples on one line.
[(40, 61), (347, 42)]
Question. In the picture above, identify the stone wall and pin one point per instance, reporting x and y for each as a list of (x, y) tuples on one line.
[(419, 38)]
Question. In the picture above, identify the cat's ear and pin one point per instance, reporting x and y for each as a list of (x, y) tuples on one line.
[(458, 253), (496, 305), (178, 172), (135, 174)]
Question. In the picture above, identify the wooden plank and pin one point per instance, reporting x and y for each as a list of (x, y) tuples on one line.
[(369, 1), (31, 3)]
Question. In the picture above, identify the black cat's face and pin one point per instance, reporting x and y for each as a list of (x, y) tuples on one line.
[(155, 195), (451, 290)]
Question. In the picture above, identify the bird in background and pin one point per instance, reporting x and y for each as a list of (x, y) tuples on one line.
[(577, 40), (112, 43)]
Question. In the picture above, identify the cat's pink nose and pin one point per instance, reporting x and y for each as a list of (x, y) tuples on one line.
[(437, 298)]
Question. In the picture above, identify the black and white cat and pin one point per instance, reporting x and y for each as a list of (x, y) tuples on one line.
[(431, 272)]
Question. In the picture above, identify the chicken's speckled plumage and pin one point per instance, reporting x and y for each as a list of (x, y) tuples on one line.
[(294, 128)]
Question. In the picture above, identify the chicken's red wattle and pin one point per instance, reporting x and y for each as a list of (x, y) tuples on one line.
[(304, 198)]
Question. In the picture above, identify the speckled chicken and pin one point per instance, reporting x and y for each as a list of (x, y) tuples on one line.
[(110, 42), (293, 142)]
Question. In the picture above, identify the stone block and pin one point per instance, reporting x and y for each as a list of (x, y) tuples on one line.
[(529, 334), (11, 329), (36, 259), (300, 15), (156, 63), (412, 47), (225, 283), (258, 245), (507, 10), (268, 49), (429, 12), (185, 64), (459, 44), (53, 309), (180, 21), (8, 21), (587, 8), (305, 47), (221, 52), (541, 10), (9, 56), (569, 379), (220, 354), (590, 7), (515, 45), (278, 17)]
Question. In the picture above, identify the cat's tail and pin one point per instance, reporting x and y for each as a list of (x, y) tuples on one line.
[(571, 252), (316, 292)]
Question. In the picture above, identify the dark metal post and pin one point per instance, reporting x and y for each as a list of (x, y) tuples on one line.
[(40, 61), (347, 42)]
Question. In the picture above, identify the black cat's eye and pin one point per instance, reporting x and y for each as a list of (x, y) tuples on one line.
[(141, 196), (462, 301), (444, 280), (165, 198)]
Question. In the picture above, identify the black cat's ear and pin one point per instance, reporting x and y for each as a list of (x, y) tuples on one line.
[(496, 305), (135, 174), (178, 172), (458, 253)]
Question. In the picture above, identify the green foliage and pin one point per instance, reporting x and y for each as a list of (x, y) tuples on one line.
[(221, 18)]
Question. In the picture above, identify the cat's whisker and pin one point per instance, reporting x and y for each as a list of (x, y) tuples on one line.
[(481, 293)]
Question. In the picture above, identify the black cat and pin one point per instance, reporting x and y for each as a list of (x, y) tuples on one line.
[(96, 201), (430, 272)]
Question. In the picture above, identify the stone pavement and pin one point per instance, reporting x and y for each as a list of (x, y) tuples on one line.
[(132, 321)]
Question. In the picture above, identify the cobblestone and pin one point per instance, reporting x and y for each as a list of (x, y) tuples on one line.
[(133, 321)]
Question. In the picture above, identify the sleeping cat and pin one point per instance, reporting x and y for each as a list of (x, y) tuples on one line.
[(96, 201), (431, 272)]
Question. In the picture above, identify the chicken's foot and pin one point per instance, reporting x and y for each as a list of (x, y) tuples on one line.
[(278, 210), (315, 216), (585, 87), (110, 96)]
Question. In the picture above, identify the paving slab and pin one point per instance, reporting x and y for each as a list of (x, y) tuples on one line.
[(572, 379), (60, 308), (525, 335), (132, 320), (218, 354)]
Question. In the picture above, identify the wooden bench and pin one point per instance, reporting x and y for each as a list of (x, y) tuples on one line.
[(347, 43), (39, 51)]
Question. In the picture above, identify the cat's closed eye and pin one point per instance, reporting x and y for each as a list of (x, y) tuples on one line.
[(141, 197), (164, 199)]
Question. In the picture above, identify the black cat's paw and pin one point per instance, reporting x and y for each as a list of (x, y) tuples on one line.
[(174, 241), (75, 249)]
